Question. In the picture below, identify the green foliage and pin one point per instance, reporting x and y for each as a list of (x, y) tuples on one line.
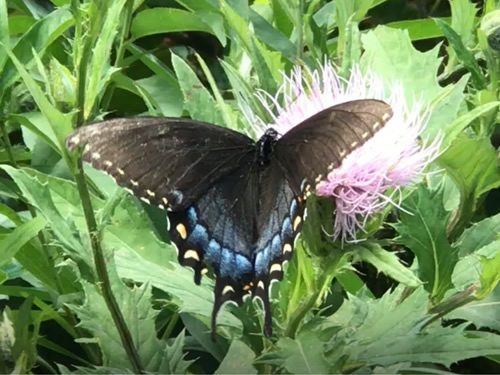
[(89, 281), (423, 230)]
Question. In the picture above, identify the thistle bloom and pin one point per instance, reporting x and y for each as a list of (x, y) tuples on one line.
[(391, 159)]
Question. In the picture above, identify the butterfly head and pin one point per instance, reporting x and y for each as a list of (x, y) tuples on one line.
[(266, 146)]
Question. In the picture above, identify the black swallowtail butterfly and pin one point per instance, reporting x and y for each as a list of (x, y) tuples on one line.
[(232, 203)]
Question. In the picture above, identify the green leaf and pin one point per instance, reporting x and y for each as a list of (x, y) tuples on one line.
[(197, 100), (238, 360), (99, 67), (423, 229), (463, 54), (418, 29), (202, 335), (483, 313), (473, 166), (37, 38), (60, 123), (225, 109), (386, 262), (304, 355), (390, 54), (444, 109), (135, 305), (39, 125), (19, 237), (4, 33), (37, 192), (166, 20), (352, 49), (166, 97), (443, 345), (272, 36), (178, 282), (458, 126), (479, 235)]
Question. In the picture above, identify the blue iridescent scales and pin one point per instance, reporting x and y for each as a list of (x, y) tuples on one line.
[(234, 204)]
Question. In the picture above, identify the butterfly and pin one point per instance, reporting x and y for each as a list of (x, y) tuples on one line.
[(233, 203)]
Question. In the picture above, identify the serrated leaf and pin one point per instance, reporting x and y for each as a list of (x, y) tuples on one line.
[(443, 345), (387, 262), (99, 66), (39, 195), (390, 54), (422, 229), (43, 33), (178, 282), (60, 123), (303, 355), (135, 305), (238, 360)]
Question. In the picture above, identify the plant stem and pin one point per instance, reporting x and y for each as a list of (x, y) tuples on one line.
[(99, 260), (102, 273), (120, 51), (300, 29)]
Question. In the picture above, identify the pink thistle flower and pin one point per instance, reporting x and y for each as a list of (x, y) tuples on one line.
[(390, 160)]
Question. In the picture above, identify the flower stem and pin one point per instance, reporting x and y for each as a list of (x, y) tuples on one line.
[(300, 29), (102, 273), (129, 7), (99, 260)]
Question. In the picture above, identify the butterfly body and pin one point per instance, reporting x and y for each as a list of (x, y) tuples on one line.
[(233, 203)]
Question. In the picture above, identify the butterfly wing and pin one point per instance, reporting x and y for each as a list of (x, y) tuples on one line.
[(169, 162), (212, 169), (318, 145), (220, 229), (278, 223)]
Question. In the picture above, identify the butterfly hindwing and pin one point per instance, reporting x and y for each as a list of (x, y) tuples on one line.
[(219, 229), (279, 222), (159, 159)]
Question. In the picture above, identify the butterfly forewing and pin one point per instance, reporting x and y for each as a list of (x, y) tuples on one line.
[(318, 145), (164, 161)]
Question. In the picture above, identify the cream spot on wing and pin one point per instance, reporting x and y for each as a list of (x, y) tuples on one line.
[(108, 163), (181, 229), (354, 144), (144, 199), (191, 254), (96, 155), (120, 171), (296, 222), (150, 193), (287, 248), (276, 267), (260, 284), (227, 289), (135, 183)]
